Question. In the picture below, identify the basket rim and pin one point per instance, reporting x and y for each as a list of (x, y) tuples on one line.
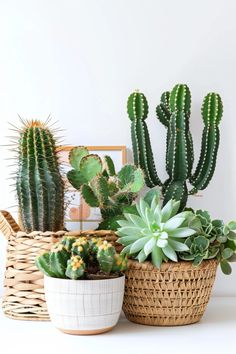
[(171, 266), (63, 233)]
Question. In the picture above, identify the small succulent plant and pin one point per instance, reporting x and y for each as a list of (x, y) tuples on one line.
[(155, 231), (79, 258), (162, 234), (213, 239), (101, 187)]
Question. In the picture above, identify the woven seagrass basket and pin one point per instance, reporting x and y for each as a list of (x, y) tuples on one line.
[(175, 295), (23, 297)]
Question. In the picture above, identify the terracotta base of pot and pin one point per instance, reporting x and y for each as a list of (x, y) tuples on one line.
[(85, 332)]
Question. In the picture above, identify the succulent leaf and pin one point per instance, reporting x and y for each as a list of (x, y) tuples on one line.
[(154, 231)]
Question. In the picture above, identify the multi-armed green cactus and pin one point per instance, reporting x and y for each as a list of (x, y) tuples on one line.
[(101, 187), (81, 259), (174, 113), (39, 184)]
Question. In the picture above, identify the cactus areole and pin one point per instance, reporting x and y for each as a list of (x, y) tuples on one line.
[(174, 113), (39, 184)]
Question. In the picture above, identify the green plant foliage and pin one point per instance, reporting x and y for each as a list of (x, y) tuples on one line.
[(39, 184), (156, 232), (78, 258), (213, 239), (101, 187), (174, 113), (75, 268)]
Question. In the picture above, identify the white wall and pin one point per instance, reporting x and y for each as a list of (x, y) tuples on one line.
[(79, 60)]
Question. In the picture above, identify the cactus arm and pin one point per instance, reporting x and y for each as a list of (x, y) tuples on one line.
[(90, 166), (89, 196), (76, 178), (131, 179), (137, 108), (76, 154), (190, 150), (163, 114), (212, 110), (176, 190), (207, 162), (142, 148), (100, 189), (180, 99), (109, 165), (163, 110), (178, 166)]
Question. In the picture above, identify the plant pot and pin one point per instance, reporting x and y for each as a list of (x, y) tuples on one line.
[(23, 297), (175, 295), (84, 306)]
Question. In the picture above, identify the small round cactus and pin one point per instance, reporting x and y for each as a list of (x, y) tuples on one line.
[(81, 247), (105, 256), (81, 258), (68, 241), (75, 267)]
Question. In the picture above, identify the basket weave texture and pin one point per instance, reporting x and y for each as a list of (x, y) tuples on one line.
[(177, 294), (23, 297)]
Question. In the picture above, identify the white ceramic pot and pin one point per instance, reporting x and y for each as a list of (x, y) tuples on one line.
[(84, 306)]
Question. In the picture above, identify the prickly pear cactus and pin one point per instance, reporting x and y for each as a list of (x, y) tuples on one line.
[(174, 113), (39, 184), (101, 187)]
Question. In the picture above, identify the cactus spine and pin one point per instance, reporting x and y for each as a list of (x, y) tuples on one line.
[(174, 113), (39, 185)]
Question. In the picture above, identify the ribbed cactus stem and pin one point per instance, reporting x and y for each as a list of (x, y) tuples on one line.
[(137, 108), (212, 110), (58, 258), (39, 184), (180, 99)]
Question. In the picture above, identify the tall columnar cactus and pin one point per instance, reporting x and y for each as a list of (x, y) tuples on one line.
[(39, 184), (101, 187), (174, 113)]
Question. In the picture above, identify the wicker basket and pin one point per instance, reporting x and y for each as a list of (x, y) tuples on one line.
[(175, 295), (23, 297)]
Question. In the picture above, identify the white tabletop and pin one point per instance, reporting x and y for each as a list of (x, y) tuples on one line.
[(215, 333)]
